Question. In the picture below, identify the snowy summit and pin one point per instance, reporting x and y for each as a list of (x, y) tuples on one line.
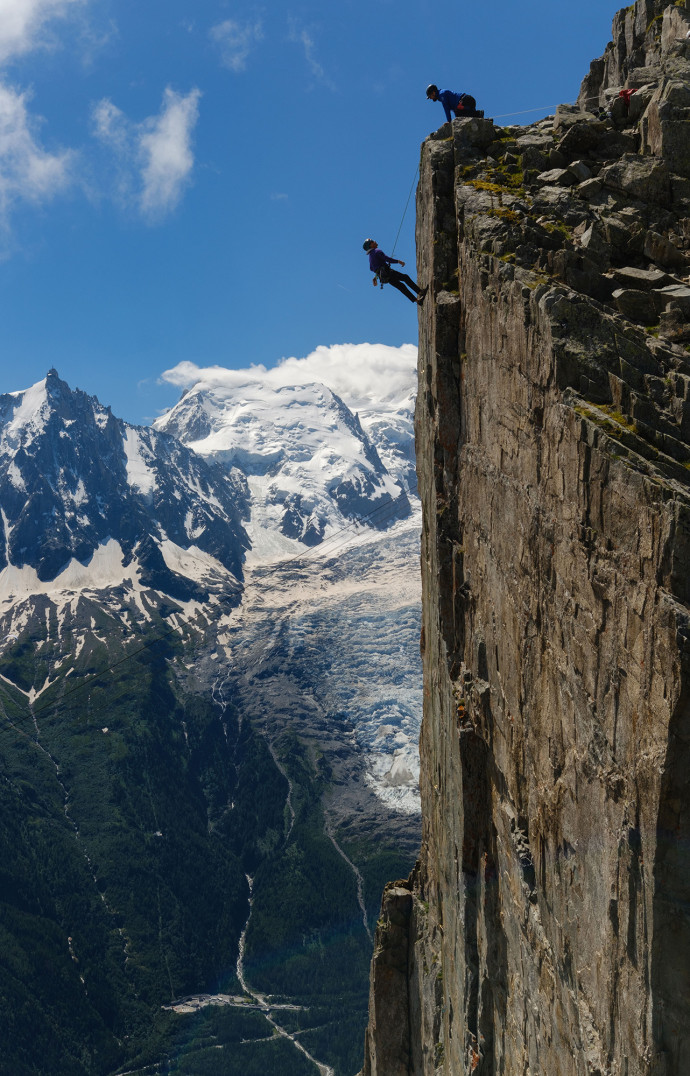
[(316, 457)]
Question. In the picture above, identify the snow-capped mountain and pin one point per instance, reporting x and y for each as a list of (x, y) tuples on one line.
[(330, 472), (311, 466), (137, 522), (89, 500), (187, 727)]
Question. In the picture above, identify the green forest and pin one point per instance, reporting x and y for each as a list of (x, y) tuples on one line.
[(131, 813)]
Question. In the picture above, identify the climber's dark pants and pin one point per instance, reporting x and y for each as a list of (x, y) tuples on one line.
[(399, 280), (467, 107)]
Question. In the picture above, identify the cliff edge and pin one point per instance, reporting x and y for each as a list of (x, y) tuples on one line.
[(546, 928)]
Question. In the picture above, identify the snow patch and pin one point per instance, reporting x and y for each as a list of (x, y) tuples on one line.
[(103, 569), (193, 563), (16, 478), (29, 417), (15, 686), (139, 475), (34, 694)]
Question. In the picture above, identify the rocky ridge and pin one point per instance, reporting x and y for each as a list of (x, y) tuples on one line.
[(545, 929), (74, 478)]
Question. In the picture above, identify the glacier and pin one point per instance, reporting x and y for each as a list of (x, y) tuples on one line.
[(353, 594)]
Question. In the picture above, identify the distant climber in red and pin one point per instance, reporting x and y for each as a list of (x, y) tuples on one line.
[(381, 265)]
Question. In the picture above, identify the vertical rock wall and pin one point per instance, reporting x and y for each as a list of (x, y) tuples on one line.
[(546, 929)]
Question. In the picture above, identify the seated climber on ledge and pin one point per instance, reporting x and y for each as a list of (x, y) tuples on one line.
[(380, 264), (457, 106)]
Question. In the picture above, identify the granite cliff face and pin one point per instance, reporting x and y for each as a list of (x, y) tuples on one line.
[(546, 928)]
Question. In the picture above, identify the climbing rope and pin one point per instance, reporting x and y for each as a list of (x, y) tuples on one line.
[(544, 108), (416, 172), (506, 115), (501, 116)]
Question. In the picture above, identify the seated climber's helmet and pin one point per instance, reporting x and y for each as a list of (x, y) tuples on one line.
[(368, 244), (431, 90)]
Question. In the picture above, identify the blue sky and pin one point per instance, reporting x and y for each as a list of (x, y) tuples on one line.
[(192, 181)]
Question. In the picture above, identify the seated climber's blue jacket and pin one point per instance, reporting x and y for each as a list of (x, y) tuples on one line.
[(450, 100)]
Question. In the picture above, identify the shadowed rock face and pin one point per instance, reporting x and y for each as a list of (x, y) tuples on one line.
[(547, 924)]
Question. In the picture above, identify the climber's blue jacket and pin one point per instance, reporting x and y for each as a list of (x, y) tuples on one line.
[(377, 258), (450, 100)]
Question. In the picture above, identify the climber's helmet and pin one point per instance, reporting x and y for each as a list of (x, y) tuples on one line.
[(368, 244), (432, 92)]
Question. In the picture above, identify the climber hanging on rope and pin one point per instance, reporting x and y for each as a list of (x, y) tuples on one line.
[(456, 106), (380, 265)]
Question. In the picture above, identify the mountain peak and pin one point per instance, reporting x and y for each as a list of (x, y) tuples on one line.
[(56, 389), (311, 466), (72, 477)]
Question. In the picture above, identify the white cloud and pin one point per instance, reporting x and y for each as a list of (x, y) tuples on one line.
[(93, 41), (303, 37), (154, 158), (22, 22), (236, 41), (167, 149), (27, 172), (110, 124), (363, 375)]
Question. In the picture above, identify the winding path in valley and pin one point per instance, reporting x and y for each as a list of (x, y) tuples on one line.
[(266, 1008), (358, 878)]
